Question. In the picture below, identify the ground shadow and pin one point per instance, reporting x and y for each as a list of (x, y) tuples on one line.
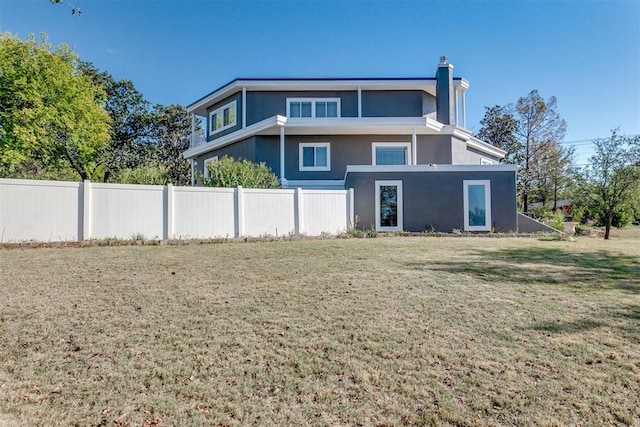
[(550, 266)]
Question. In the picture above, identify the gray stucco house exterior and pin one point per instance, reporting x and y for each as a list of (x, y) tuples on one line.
[(400, 143)]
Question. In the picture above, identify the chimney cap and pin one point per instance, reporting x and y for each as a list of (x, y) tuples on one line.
[(443, 60)]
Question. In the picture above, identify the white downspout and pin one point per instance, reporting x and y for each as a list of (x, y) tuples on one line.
[(244, 107), (414, 147)]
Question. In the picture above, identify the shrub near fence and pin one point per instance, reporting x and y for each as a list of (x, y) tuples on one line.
[(75, 211)]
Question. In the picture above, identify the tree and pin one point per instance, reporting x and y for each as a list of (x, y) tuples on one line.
[(552, 174), (499, 128), (528, 131), (228, 172), (611, 180), (51, 118), (172, 131), (131, 143)]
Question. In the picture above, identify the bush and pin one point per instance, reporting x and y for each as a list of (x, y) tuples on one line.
[(546, 216), (148, 175), (228, 172)]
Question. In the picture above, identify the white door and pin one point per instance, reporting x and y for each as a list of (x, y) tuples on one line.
[(388, 205)]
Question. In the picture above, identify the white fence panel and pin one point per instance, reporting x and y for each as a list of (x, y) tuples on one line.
[(324, 211), (268, 212), (202, 213), (43, 211), (70, 211), (126, 211)]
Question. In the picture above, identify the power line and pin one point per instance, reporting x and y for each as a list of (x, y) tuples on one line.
[(589, 141)]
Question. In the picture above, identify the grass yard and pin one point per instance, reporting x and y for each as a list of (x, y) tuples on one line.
[(387, 331)]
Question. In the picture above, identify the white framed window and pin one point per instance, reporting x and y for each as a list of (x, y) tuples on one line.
[(484, 161), (315, 156), (207, 162), (389, 205), (222, 118), (390, 153), (313, 107), (477, 205)]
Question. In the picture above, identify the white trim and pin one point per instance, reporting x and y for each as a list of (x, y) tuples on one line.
[(232, 106), (347, 126), (313, 102), (375, 145), (206, 163), (303, 145), (399, 206), (487, 202), (315, 184), (430, 168), (484, 161)]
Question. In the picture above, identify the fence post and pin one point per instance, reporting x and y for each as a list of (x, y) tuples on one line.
[(168, 229), (86, 210), (350, 210), (239, 212), (299, 213)]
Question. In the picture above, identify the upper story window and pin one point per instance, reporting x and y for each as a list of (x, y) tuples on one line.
[(315, 156), (390, 153), (313, 107), (222, 118)]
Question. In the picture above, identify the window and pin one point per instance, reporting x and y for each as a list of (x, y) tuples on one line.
[(207, 162), (313, 107), (222, 118), (477, 205), (315, 156), (389, 205), (390, 153)]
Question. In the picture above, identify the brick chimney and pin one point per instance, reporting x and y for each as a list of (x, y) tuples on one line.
[(444, 92)]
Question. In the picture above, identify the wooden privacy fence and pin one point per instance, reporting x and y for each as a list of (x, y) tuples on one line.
[(51, 211)]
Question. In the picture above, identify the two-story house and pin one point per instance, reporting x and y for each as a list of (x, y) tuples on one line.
[(400, 143)]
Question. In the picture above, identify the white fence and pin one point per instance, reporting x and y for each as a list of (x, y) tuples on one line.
[(50, 211)]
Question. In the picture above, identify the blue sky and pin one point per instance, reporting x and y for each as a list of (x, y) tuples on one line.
[(586, 53)]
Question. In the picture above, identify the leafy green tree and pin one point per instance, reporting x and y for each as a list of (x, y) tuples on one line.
[(499, 128), (51, 118), (528, 131), (228, 172), (611, 181), (131, 144), (171, 131), (553, 174)]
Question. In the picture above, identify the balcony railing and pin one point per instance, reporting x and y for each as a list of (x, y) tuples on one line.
[(197, 139)]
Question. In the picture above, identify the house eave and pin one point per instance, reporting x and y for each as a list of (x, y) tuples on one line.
[(433, 168), (346, 126)]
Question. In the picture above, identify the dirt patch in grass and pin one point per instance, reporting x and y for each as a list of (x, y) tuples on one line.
[(387, 331)]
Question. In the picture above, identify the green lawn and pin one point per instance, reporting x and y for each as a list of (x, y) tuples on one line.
[(386, 331)]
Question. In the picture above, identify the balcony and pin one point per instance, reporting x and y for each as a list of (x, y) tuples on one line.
[(197, 139)]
